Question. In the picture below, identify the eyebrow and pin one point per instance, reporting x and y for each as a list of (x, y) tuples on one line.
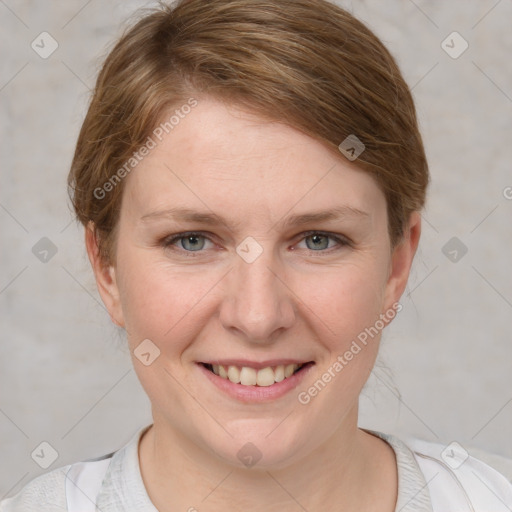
[(210, 218)]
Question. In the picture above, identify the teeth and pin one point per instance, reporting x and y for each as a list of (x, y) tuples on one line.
[(265, 377), (279, 373), (289, 369), (247, 376), (234, 374)]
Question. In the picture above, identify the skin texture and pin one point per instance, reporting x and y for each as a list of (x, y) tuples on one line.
[(294, 300)]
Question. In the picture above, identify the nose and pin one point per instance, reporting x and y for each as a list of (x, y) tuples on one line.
[(259, 303)]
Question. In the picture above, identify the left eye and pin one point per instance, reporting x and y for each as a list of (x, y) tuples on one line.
[(195, 242), (320, 241)]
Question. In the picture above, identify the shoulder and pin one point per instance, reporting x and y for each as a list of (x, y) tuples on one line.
[(80, 484), (53, 490), (44, 493), (454, 477)]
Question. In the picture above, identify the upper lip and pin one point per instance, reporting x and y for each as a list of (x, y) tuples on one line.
[(258, 365)]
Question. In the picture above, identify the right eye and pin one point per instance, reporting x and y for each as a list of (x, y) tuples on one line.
[(191, 241)]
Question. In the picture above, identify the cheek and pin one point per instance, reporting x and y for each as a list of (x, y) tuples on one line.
[(160, 302), (348, 304), (345, 300)]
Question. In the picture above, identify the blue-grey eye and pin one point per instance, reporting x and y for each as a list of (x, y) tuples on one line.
[(319, 242), (194, 242)]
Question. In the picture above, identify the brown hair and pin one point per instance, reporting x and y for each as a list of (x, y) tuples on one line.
[(307, 63)]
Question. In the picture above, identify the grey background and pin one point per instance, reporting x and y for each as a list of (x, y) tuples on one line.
[(65, 375)]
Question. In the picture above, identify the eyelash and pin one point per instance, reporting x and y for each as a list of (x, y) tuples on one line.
[(168, 242)]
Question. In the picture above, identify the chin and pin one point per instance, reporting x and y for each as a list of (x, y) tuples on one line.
[(258, 444)]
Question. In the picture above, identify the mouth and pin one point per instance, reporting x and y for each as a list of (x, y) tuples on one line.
[(257, 377)]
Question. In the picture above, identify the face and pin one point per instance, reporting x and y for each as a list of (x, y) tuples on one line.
[(225, 255)]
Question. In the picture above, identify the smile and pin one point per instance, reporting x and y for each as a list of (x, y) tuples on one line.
[(247, 376), (249, 384)]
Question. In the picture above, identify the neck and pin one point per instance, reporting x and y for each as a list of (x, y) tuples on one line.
[(351, 470)]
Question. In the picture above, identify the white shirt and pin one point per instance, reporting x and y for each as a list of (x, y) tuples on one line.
[(426, 483)]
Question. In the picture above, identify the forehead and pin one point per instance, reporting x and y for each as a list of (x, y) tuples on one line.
[(220, 157)]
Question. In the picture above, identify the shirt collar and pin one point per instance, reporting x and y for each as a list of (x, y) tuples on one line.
[(413, 493), (123, 487)]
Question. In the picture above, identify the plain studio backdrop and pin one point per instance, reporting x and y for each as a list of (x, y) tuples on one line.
[(66, 377)]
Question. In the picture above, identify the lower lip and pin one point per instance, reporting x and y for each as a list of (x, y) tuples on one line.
[(256, 393)]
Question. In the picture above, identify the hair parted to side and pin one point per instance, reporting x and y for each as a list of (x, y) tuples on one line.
[(306, 63)]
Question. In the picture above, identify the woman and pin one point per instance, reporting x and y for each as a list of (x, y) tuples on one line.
[(250, 176)]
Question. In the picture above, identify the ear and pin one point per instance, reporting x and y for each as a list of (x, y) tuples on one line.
[(105, 276), (401, 261)]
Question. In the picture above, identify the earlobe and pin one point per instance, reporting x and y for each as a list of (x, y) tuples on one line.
[(105, 276), (401, 261)]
